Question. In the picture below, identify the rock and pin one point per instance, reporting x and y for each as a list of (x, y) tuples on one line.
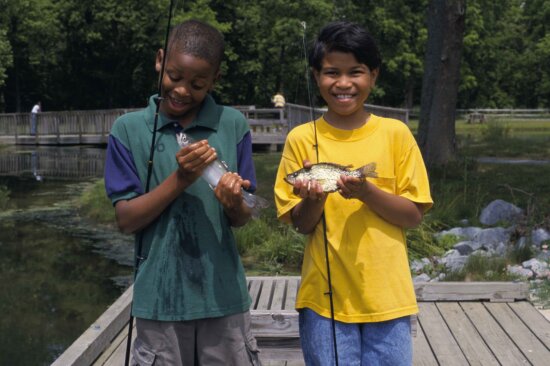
[(466, 247), (540, 269), (453, 260), (467, 233), (422, 278), (492, 237), (520, 271), (500, 211), (417, 266), (539, 235)]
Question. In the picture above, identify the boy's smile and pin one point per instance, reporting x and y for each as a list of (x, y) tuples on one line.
[(345, 85), (187, 80)]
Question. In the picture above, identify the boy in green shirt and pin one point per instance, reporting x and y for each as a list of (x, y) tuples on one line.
[(190, 295)]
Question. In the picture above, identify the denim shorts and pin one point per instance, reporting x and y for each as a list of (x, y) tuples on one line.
[(373, 344)]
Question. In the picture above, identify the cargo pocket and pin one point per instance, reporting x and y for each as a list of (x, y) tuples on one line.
[(252, 350), (251, 346), (142, 355)]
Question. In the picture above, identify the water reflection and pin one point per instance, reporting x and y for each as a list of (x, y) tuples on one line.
[(52, 161), (55, 273)]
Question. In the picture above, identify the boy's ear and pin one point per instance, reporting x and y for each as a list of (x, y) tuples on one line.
[(217, 77), (158, 60)]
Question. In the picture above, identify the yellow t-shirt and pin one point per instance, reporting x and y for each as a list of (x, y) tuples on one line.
[(370, 273)]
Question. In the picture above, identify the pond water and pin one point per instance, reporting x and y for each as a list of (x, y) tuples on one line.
[(57, 272)]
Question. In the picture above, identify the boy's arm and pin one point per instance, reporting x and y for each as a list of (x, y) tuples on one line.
[(135, 214), (395, 209)]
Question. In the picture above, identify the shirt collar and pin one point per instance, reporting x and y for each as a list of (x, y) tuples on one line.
[(208, 116)]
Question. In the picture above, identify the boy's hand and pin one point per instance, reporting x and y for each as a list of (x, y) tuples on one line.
[(193, 158), (228, 191), (352, 187), (309, 189)]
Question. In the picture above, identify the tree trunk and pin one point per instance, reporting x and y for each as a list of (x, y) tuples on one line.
[(436, 130)]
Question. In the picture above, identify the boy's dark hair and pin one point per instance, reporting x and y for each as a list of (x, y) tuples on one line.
[(348, 37), (198, 39)]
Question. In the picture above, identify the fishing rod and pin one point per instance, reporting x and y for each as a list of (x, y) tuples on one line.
[(139, 256), (323, 217)]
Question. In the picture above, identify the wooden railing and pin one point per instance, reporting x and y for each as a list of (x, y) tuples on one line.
[(268, 125), (63, 127), (298, 114), (507, 113)]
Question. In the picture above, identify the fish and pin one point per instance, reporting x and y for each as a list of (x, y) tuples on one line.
[(215, 170), (327, 174)]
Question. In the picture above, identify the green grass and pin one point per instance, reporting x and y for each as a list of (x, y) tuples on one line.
[(95, 204)]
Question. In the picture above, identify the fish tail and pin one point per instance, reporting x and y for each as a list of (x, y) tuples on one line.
[(256, 203), (369, 170)]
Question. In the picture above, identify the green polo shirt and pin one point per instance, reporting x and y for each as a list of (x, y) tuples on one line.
[(191, 269)]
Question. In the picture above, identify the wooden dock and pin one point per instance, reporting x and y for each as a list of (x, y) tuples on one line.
[(460, 323)]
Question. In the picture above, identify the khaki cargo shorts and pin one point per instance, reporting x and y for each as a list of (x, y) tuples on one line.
[(221, 341)]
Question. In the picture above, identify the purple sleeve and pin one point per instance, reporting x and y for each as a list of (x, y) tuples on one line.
[(121, 175), (244, 161)]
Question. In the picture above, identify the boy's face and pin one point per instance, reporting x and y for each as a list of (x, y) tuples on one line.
[(187, 80), (344, 84)]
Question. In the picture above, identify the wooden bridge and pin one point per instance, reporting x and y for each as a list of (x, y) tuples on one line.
[(460, 323), (269, 126)]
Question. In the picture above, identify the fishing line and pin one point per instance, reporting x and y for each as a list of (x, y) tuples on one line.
[(323, 217), (139, 256)]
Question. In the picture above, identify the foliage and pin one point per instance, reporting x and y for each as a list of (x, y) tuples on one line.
[(542, 293), (95, 204), (269, 246), (483, 268), (107, 48)]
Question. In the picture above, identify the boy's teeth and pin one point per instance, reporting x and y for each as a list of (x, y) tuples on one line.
[(343, 96)]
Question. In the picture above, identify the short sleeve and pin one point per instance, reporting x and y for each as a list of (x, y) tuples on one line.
[(412, 178), (121, 177)]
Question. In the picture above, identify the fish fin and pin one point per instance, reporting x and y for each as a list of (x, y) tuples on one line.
[(256, 203), (369, 170)]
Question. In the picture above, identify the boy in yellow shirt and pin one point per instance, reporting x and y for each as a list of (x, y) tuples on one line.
[(372, 289)]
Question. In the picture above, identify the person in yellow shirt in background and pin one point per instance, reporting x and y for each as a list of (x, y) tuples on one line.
[(372, 288)]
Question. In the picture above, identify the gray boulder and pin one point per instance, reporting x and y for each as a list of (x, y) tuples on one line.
[(500, 211)]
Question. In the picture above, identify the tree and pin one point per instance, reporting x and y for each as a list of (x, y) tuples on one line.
[(436, 130)]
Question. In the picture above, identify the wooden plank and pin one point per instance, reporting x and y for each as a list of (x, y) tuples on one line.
[(116, 343), (291, 293), (494, 336), (279, 294), (264, 301), (531, 346), (440, 339), (97, 337), (422, 353), (274, 349), (116, 354), (468, 338), (466, 291), (539, 325), (254, 291), (280, 324)]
